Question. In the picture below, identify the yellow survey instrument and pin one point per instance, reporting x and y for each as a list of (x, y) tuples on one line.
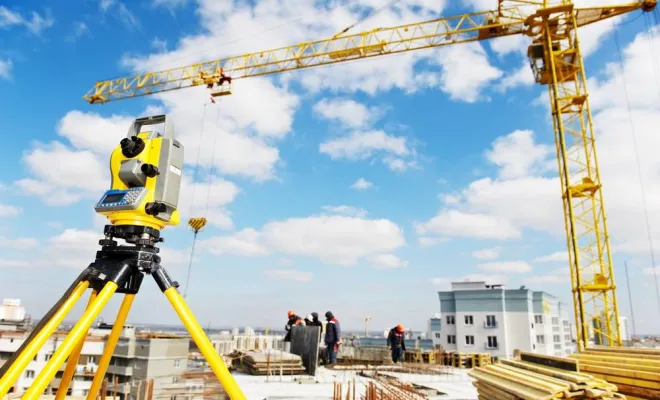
[(146, 175)]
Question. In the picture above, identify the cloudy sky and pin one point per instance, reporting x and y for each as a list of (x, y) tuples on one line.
[(361, 188)]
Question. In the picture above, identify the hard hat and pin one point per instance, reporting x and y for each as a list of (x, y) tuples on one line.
[(399, 328), (290, 313)]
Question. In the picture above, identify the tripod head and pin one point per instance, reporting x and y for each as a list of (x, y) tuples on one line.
[(146, 172)]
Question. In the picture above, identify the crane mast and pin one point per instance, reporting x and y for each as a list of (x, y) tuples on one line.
[(556, 62)]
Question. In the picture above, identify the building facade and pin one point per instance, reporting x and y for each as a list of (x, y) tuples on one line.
[(10, 341), (139, 358), (481, 318), (433, 330)]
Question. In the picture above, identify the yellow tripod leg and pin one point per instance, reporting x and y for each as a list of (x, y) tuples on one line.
[(22, 361), (204, 344), (72, 362), (79, 329), (110, 345)]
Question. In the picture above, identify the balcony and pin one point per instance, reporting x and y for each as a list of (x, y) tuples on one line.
[(118, 370), (492, 325)]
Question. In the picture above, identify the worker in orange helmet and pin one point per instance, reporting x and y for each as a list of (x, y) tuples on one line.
[(396, 342), (293, 320)]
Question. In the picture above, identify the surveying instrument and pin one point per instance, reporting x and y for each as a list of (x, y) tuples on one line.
[(146, 170)]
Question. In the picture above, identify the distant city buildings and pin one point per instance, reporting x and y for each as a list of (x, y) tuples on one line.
[(481, 318)]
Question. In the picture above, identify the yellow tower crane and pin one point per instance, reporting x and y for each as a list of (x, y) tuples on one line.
[(556, 61)]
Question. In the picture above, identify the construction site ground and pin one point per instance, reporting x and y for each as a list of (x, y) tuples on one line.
[(454, 385)]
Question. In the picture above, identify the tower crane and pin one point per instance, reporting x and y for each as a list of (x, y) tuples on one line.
[(555, 60)]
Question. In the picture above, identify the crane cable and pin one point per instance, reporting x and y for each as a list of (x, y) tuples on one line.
[(639, 171), (195, 223)]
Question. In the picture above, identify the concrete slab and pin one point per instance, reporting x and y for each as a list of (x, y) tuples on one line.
[(457, 386)]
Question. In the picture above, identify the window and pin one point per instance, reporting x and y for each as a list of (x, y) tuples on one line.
[(437, 335), (555, 321), (451, 339), (492, 342), (556, 338), (176, 363), (490, 321), (29, 374), (47, 357), (469, 320), (469, 340), (540, 339), (451, 320), (538, 319), (567, 338)]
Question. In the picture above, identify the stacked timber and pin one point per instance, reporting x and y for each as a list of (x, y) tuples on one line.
[(635, 371), (535, 376), (269, 362)]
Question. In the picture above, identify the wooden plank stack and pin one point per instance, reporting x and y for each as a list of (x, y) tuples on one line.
[(539, 377), (269, 362), (635, 371)]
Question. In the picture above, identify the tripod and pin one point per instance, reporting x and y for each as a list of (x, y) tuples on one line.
[(116, 269)]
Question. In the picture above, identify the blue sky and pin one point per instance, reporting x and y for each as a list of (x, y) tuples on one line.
[(361, 188)]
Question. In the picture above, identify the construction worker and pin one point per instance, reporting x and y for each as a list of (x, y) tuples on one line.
[(293, 320), (396, 342), (332, 337), (313, 320)]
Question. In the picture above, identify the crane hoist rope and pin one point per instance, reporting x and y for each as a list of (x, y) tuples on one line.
[(198, 223)]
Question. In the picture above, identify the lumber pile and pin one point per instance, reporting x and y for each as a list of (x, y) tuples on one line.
[(535, 376), (268, 362), (635, 371)]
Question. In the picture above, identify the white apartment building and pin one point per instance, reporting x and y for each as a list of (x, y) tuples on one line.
[(433, 330), (481, 318), (10, 341)]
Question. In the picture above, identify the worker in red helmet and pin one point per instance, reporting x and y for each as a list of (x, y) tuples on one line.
[(293, 320), (396, 342)]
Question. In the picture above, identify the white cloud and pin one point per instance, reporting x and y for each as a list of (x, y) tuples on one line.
[(333, 239), (457, 223), (5, 69), (430, 241), (15, 264), (35, 24), (362, 145), (243, 243), (361, 184), (487, 254), (650, 271), (560, 276), (517, 155), (349, 112), (289, 275), (559, 256), (466, 71), (20, 243), (345, 210), (387, 261), (9, 211), (506, 267)]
